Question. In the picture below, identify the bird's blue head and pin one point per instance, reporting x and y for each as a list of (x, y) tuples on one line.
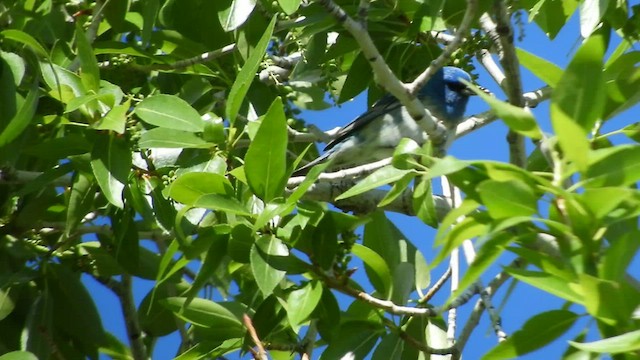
[(446, 95)]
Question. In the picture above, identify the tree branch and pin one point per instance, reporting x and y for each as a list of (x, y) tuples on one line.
[(436, 287), (385, 305), (476, 313), (385, 77), (138, 350), (453, 45)]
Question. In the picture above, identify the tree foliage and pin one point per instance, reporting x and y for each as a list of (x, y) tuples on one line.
[(155, 139)]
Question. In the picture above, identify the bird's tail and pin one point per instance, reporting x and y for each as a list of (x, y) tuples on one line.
[(302, 171)]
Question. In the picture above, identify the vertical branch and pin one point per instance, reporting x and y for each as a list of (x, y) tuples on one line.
[(511, 66), (454, 264), (309, 341), (363, 13), (138, 350), (448, 190), (500, 33)]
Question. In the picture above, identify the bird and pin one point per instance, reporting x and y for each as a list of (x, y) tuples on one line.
[(374, 135)]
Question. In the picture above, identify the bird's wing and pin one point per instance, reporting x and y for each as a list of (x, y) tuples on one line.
[(386, 104)]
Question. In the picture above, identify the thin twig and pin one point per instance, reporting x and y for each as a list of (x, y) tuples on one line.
[(261, 354), (385, 305), (416, 343), (436, 287), (476, 313)]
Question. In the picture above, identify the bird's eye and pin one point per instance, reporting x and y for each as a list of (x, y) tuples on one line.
[(456, 86)]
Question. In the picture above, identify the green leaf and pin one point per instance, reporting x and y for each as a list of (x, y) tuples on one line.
[(65, 85), (125, 239), (380, 177), (266, 163), (18, 355), (517, 119), (235, 14), (115, 120), (549, 283), (168, 138), (390, 348), (170, 112), (289, 6), (16, 67), (74, 309), (149, 16), (155, 319), (189, 187), (90, 75), (551, 16), (6, 303), (466, 229), (245, 77), (40, 316), (354, 340), (83, 191), (219, 322), (115, 12), (26, 39), (377, 269), (221, 203), (22, 118), (423, 272), (545, 70), (397, 189), (579, 94), (403, 282), (625, 343), (446, 166), (616, 166), (424, 204), (302, 302), (603, 201), (505, 199), (572, 138), (357, 80), (608, 301), (111, 164), (267, 277), (537, 332)]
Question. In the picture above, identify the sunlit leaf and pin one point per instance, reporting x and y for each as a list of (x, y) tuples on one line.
[(536, 333), (170, 112), (265, 162), (267, 277), (247, 73), (625, 343)]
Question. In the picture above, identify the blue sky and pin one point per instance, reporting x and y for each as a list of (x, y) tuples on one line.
[(486, 143)]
